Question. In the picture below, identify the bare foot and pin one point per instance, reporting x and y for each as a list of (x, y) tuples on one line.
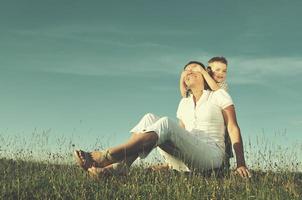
[(159, 167), (102, 158), (96, 172), (96, 158), (113, 169)]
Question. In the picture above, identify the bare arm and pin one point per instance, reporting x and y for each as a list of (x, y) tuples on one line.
[(235, 136), (211, 82)]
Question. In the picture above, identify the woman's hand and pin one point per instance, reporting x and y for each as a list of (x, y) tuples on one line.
[(243, 172), (200, 70), (184, 74), (194, 70)]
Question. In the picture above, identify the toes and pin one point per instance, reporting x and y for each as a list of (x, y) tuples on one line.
[(78, 157), (83, 159), (92, 173), (96, 172)]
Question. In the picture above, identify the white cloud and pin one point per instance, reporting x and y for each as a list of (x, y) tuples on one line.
[(150, 65), (297, 122), (92, 33), (255, 70), (241, 70)]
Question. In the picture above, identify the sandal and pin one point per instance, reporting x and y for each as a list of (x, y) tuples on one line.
[(84, 159)]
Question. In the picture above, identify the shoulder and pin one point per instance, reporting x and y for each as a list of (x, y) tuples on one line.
[(220, 93), (224, 85), (221, 98)]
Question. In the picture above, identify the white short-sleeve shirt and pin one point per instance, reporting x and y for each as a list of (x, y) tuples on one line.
[(206, 119), (223, 85)]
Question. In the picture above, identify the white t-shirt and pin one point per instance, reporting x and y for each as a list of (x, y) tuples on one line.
[(206, 119), (223, 85)]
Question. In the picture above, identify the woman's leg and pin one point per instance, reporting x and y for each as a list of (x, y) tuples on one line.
[(196, 151), (147, 120), (137, 144), (172, 156), (118, 168)]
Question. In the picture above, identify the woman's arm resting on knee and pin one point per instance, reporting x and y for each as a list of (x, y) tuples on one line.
[(229, 115)]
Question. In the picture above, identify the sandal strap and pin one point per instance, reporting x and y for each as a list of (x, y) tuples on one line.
[(87, 159)]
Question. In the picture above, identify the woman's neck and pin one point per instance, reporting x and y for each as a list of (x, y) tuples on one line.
[(197, 93)]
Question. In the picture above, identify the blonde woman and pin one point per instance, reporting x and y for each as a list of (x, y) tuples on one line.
[(198, 137)]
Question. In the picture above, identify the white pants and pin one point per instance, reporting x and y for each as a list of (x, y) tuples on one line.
[(195, 152)]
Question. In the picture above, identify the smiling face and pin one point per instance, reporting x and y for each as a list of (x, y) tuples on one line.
[(219, 70), (193, 77)]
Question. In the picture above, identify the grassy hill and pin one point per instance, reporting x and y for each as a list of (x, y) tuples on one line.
[(36, 180)]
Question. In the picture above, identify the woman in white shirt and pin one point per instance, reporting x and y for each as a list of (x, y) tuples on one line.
[(198, 138)]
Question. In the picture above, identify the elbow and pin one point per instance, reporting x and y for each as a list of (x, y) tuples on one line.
[(216, 88), (234, 130), (235, 136)]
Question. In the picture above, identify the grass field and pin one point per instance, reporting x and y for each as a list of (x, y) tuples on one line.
[(31, 170), (38, 180)]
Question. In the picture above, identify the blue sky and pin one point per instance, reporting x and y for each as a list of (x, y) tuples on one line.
[(91, 69)]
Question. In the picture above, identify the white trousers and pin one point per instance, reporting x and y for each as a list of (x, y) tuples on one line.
[(195, 153)]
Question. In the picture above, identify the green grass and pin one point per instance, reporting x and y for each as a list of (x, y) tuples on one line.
[(39, 180), (42, 170)]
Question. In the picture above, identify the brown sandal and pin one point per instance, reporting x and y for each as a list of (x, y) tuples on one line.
[(84, 159)]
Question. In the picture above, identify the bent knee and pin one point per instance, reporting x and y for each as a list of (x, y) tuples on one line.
[(149, 116), (164, 121)]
